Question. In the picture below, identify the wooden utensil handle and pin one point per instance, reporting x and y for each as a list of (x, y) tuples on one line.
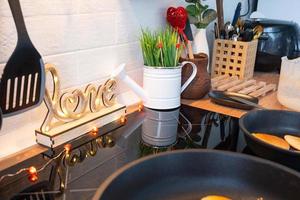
[(220, 14), (19, 20), (191, 54)]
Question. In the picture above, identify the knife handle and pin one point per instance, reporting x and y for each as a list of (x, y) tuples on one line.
[(191, 54)]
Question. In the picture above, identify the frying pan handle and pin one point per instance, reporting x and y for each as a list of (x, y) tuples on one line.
[(19, 20)]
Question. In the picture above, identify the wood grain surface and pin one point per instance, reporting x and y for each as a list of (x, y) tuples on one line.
[(269, 101)]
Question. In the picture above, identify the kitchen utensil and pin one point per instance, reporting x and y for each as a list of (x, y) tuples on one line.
[(235, 37), (220, 14), (190, 38), (177, 18), (194, 174), (228, 28), (247, 35), (240, 24), (222, 34), (247, 102), (22, 84), (237, 14), (216, 30), (258, 30), (188, 31), (227, 99), (274, 122)]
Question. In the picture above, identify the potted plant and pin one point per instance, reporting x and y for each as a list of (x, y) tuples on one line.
[(200, 16), (162, 71)]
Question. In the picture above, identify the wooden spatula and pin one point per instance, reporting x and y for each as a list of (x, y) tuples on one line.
[(22, 84)]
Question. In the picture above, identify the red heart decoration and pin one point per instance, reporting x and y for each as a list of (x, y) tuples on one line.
[(177, 17)]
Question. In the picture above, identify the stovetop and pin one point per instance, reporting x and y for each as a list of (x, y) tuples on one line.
[(92, 160)]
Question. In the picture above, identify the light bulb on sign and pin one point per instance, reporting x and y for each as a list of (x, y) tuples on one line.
[(123, 119), (94, 131), (140, 108), (67, 148)]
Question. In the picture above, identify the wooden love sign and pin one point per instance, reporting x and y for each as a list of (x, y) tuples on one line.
[(74, 113)]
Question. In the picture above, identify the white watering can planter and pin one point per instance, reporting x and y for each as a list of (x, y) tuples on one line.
[(162, 85)]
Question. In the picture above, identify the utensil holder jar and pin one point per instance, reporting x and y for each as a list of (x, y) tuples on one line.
[(234, 58)]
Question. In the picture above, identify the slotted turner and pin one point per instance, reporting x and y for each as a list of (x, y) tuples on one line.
[(22, 85)]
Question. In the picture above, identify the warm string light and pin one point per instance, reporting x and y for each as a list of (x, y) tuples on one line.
[(33, 171), (140, 108), (123, 119), (67, 148), (32, 174), (94, 131)]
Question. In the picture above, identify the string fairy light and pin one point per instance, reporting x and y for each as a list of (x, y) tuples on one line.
[(32, 171), (140, 108), (123, 119), (94, 131)]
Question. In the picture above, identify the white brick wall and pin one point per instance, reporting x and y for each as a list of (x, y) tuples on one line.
[(85, 39)]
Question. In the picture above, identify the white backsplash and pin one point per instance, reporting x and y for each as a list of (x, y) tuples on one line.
[(85, 39)]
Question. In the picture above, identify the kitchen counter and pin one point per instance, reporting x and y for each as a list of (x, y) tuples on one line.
[(92, 161), (37, 149), (199, 124), (269, 101)]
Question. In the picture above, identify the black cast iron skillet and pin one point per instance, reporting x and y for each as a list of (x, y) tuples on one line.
[(193, 174), (274, 122)]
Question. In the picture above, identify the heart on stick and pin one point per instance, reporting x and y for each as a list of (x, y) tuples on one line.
[(177, 17)]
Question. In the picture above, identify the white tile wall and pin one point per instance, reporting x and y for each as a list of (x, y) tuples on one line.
[(85, 39)]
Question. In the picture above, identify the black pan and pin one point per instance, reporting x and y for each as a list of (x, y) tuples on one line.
[(194, 174), (275, 122)]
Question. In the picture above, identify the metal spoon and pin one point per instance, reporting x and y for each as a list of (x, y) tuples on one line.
[(228, 29)]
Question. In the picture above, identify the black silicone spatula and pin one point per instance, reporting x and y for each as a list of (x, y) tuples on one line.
[(22, 84), (189, 35), (188, 30)]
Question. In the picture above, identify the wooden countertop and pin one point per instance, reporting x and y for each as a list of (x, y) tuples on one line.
[(269, 101)]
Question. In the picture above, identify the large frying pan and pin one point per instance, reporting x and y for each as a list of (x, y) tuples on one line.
[(193, 174), (275, 122)]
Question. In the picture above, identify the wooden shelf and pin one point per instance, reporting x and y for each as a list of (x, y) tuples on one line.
[(269, 101)]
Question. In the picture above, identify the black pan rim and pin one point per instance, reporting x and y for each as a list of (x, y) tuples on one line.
[(100, 191), (248, 134)]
